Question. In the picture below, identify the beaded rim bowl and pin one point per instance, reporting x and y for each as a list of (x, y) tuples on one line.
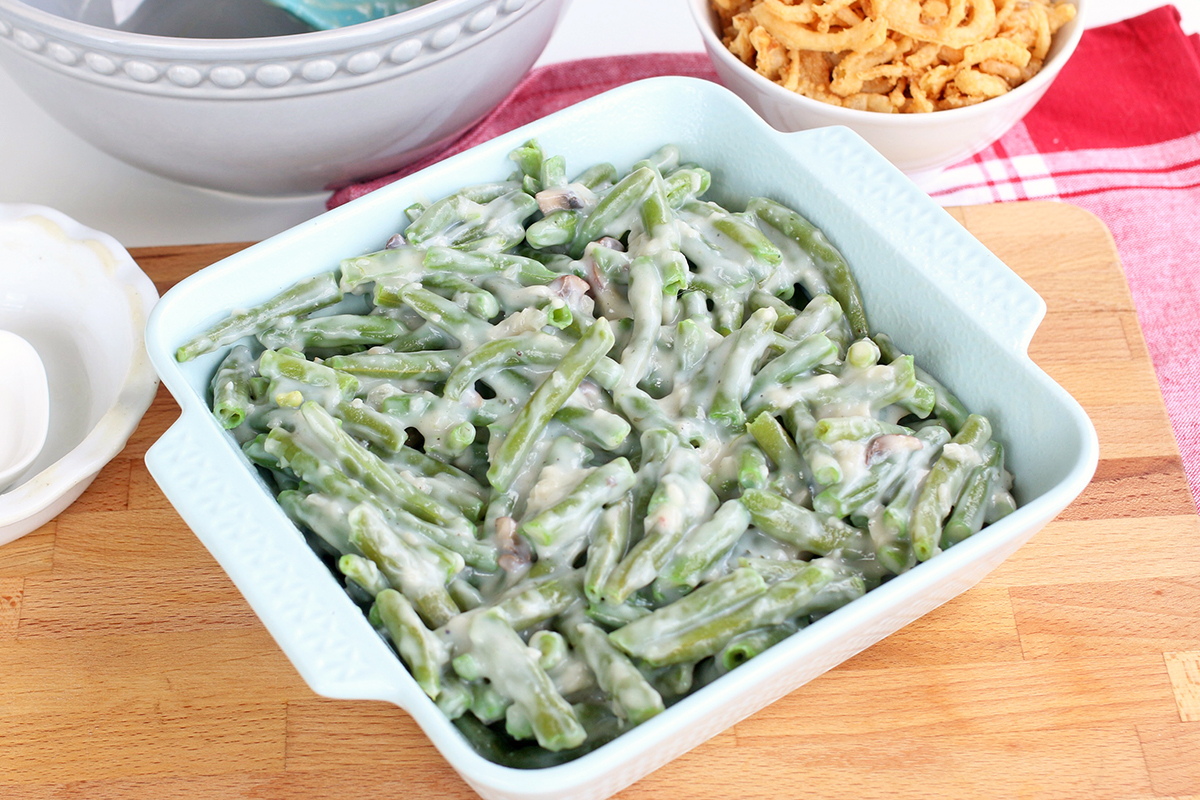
[(281, 115), (276, 66)]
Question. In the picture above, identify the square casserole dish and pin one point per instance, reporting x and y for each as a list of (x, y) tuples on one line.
[(925, 280)]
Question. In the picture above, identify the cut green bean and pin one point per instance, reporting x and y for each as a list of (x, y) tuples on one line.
[(305, 297), (546, 401), (581, 447)]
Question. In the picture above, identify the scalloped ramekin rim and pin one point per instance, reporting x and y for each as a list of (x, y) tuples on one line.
[(37, 493)]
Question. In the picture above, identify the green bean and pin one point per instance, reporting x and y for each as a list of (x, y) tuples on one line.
[(788, 522), (607, 547), (635, 699), (645, 291), (482, 263), (842, 285), (891, 534), (533, 348), (596, 176), (778, 446), (706, 544), (664, 643), (529, 158), (749, 238), (734, 382), (550, 396), (845, 499), (557, 227), (967, 518), (565, 519), (680, 501), (664, 159), (944, 484), (321, 514), (551, 646), (433, 365), (746, 646), (382, 430), (305, 297), (364, 572), (612, 216), (421, 650), (515, 673), (294, 380), (597, 426), (753, 470), (946, 406), (837, 429), (423, 337), (653, 638), (334, 332), (773, 570), (686, 184), (418, 575), (467, 328), (541, 600), (232, 390), (784, 313), (454, 699), (465, 595), (487, 704), (821, 314)]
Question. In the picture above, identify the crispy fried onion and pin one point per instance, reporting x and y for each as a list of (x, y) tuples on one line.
[(773, 16), (904, 16)]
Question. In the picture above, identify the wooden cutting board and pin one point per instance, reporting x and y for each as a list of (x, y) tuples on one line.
[(130, 667)]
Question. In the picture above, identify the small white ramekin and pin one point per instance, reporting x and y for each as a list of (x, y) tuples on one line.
[(78, 297), (916, 143)]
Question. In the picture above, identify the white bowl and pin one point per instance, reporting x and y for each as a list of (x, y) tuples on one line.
[(280, 115), (915, 143), (81, 301), (928, 282), (24, 406)]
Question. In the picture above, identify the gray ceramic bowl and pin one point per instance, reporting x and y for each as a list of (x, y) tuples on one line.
[(278, 115)]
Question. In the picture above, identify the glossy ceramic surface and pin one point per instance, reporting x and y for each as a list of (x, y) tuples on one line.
[(24, 406), (925, 280)]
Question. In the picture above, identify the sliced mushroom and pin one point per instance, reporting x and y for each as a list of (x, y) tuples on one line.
[(884, 446), (574, 292), (611, 243), (515, 553), (573, 197)]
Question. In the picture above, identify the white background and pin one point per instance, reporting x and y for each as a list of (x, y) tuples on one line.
[(41, 162)]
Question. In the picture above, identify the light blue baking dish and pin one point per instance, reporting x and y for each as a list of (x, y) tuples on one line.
[(925, 280)]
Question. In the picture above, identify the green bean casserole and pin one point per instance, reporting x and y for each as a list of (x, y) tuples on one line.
[(579, 447)]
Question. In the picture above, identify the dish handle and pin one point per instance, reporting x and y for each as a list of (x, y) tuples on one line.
[(875, 208), (324, 635)]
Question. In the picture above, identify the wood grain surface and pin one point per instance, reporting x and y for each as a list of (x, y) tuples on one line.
[(130, 667)]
